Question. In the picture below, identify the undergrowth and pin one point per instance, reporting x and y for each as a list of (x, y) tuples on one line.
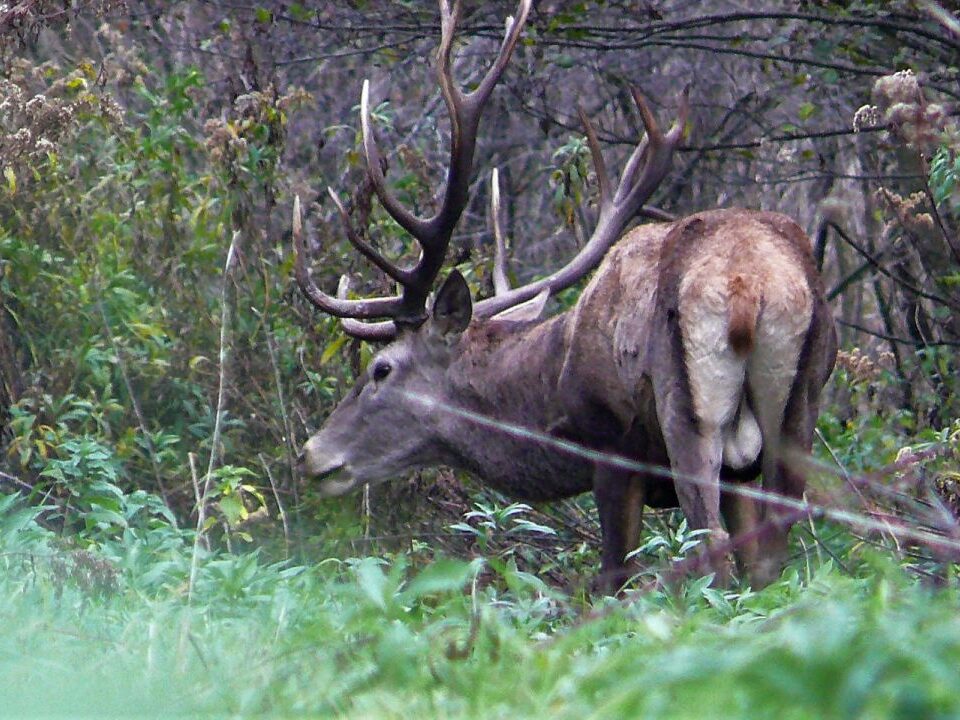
[(150, 624)]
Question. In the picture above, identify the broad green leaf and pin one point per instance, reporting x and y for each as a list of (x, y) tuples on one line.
[(373, 582), (232, 508), (443, 576), (332, 349)]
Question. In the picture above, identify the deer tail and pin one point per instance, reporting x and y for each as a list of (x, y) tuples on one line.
[(744, 307)]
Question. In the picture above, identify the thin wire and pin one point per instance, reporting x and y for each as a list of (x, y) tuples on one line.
[(862, 522)]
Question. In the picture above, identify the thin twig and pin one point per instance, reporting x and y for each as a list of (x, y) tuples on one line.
[(812, 531), (945, 234), (198, 539), (285, 417), (895, 339), (851, 277), (201, 497), (222, 360), (884, 271), (276, 496), (14, 480)]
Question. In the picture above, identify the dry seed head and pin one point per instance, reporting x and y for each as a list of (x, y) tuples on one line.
[(860, 367), (900, 88), (866, 117)]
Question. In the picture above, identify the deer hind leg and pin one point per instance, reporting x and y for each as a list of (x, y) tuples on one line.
[(695, 458), (784, 470), (698, 396), (742, 516), (619, 495), (779, 392)]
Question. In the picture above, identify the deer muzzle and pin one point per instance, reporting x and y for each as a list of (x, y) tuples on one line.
[(329, 468)]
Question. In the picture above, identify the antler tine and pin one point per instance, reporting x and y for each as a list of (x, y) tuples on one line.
[(383, 331), (643, 172), (639, 153), (500, 282), (433, 233), (465, 111), (366, 249), (369, 331), (407, 220), (655, 151), (449, 19), (599, 164), (338, 307), (514, 25)]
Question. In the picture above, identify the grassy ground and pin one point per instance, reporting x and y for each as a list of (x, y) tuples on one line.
[(142, 626)]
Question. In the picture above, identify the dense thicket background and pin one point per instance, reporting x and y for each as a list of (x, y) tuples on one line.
[(152, 380)]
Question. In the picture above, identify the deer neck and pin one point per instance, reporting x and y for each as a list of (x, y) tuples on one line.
[(507, 372)]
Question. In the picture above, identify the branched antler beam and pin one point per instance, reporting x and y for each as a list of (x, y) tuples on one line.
[(432, 233), (643, 172)]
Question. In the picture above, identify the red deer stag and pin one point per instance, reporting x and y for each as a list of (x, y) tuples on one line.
[(701, 345)]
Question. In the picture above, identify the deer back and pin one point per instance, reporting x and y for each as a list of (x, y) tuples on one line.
[(714, 284)]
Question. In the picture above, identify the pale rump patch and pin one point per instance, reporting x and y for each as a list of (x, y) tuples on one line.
[(744, 307)]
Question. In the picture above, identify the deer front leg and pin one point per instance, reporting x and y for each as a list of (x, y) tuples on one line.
[(619, 496), (695, 461)]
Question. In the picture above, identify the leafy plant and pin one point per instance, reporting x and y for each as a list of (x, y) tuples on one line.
[(671, 544), (944, 173), (491, 521)]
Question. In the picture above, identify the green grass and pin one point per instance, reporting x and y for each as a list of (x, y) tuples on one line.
[(119, 630)]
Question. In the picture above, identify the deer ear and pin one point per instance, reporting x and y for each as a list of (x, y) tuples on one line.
[(453, 307)]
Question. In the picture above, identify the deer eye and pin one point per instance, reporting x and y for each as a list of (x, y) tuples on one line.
[(381, 369)]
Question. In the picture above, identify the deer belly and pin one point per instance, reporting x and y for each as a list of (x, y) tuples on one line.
[(536, 475)]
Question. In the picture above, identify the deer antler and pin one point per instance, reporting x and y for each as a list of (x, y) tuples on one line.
[(501, 284), (433, 233), (643, 172)]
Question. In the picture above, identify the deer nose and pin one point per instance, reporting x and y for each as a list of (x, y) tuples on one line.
[(302, 464)]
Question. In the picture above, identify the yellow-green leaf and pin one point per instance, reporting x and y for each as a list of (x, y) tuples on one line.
[(806, 111), (232, 508), (330, 350)]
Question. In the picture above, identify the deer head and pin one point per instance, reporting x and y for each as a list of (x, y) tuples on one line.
[(378, 431)]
